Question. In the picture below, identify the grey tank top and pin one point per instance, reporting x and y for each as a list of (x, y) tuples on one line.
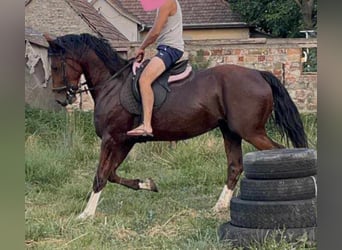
[(172, 32)]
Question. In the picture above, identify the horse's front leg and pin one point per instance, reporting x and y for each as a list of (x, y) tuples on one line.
[(135, 184), (111, 156), (233, 150)]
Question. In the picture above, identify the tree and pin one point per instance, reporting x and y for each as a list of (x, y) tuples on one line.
[(309, 12), (278, 18)]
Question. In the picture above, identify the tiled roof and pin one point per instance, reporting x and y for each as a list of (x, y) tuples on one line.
[(134, 8), (195, 12), (207, 12), (96, 21), (35, 37)]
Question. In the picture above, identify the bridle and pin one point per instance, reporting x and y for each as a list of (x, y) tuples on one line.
[(71, 90)]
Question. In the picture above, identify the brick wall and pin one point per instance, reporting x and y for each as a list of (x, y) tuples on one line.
[(280, 56), (62, 20)]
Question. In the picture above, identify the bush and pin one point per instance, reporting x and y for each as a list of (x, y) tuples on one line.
[(199, 61)]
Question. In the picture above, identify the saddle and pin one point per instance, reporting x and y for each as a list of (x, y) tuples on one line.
[(130, 97)]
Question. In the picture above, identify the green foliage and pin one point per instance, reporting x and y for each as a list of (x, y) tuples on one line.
[(45, 123), (54, 141), (310, 125), (59, 174), (278, 18), (311, 64), (199, 61), (52, 125)]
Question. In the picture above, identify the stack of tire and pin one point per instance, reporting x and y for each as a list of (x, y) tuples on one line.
[(277, 198)]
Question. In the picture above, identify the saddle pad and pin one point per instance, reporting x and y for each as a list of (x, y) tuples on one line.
[(127, 99), (129, 102)]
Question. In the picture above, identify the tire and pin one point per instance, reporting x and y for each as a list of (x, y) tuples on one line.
[(273, 214), (280, 163), (240, 236), (278, 190)]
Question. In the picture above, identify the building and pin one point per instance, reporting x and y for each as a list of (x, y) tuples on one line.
[(59, 17), (202, 19)]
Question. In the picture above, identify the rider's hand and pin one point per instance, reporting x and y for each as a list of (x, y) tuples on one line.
[(139, 55)]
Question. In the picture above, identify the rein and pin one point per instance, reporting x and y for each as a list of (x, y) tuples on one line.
[(130, 62), (72, 91)]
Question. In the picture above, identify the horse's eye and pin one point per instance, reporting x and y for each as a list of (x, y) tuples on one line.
[(54, 68)]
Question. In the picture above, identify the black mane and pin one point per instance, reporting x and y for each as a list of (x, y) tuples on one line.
[(78, 45)]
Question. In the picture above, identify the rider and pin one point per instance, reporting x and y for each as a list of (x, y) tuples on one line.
[(167, 32)]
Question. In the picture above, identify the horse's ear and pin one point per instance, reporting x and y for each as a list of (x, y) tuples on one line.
[(49, 38), (54, 46)]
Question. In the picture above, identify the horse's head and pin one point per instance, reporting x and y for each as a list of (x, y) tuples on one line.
[(65, 71)]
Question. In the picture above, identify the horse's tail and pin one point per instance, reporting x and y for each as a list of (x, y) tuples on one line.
[(286, 114)]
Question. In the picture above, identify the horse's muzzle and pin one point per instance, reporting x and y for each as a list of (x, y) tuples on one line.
[(64, 103), (69, 100)]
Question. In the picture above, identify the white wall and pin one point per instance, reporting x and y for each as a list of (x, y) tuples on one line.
[(127, 27)]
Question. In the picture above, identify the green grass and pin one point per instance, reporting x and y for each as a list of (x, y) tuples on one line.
[(61, 158)]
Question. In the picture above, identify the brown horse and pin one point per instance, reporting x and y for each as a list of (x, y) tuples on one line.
[(236, 99)]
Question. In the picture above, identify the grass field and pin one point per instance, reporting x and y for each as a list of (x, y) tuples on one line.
[(61, 158)]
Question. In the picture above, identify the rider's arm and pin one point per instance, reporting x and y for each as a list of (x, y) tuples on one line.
[(159, 22)]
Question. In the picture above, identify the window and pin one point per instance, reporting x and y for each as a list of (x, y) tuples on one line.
[(309, 60)]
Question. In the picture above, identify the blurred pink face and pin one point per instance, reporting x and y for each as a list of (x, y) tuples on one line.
[(149, 5)]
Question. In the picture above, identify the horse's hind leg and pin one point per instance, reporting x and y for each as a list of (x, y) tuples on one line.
[(252, 127), (232, 145), (261, 141)]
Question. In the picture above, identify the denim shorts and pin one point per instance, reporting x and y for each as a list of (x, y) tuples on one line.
[(169, 55)]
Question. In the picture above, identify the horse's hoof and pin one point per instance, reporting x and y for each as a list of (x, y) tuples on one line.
[(84, 216), (148, 184), (153, 185), (219, 208)]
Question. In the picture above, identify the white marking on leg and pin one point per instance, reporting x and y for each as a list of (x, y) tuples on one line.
[(90, 209), (145, 185), (224, 199)]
